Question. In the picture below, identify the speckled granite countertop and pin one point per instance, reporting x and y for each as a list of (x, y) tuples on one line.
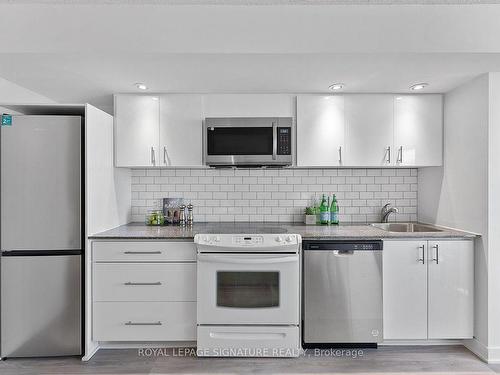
[(344, 231)]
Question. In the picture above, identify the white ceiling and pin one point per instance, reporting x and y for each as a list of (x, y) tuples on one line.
[(84, 53)]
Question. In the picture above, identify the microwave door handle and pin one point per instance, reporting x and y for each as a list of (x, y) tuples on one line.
[(275, 140), (246, 260)]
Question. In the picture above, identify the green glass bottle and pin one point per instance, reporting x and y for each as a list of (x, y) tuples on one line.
[(334, 211), (324, 212)]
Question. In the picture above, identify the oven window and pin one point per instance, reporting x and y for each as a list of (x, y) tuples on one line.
[(240, 141), (248, 289)]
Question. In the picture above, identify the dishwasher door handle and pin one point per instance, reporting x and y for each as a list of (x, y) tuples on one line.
[(342, 253)]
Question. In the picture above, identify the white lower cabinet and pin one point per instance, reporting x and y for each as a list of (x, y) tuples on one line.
[(144, 321), (450, 289), (405, 290), (145, 282), (143, 291), (428, 289)]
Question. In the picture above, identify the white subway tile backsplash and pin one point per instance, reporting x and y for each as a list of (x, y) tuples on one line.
[(277, 194)]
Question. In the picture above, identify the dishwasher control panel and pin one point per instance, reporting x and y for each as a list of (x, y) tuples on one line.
[(343, 245)]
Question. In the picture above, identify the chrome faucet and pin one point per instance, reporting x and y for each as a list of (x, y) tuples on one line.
[(386, 211)]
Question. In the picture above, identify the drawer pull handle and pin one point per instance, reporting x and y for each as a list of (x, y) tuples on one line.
[(142, 252), (131, 283), (130, 323)]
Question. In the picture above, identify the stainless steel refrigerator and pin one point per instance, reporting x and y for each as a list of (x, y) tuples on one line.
[(41, 236)]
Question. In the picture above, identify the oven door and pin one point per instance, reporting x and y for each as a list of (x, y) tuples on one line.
[(248, 289)]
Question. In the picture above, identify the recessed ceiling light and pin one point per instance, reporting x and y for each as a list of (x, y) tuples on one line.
[(419, 86), (155, 98), (141, 86), (336, 86)]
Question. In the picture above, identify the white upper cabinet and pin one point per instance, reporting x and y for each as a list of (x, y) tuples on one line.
[(451, 289), (158, 131), (369, 130), (320, 130), (180, 130), (248, 105), (136, 130), (418, 125)]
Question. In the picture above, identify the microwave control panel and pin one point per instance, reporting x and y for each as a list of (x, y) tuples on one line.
[(284, 140)]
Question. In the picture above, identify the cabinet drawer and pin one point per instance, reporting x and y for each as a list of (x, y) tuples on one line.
[(145, 282), (143, 251), (272, 341), (144, 321)]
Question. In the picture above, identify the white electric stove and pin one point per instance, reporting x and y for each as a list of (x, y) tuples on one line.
[(248, 295)]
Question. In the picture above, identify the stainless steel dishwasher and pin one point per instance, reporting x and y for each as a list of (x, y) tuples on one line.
[(342, 293)]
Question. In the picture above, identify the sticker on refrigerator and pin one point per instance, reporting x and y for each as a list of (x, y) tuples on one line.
[(6, 120)]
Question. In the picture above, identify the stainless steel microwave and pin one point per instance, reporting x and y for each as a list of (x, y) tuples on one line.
[(248, 141)]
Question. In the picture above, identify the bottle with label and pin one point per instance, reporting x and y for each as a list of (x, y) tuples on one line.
[(315, 205), (324, 212), (334, 211)]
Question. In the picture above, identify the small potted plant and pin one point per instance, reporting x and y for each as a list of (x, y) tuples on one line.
[(310, 216)]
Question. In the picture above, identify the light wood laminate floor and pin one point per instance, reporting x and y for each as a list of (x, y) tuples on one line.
[(385, 360)]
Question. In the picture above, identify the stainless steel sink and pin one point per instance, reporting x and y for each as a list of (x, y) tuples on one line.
[(406, 227)]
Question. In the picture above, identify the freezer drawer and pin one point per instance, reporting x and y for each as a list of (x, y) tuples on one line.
[(343, 296), (40, 306)]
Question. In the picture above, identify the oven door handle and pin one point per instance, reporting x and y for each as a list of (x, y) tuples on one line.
[(246, 260)]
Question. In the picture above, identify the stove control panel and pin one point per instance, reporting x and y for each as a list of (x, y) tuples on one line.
[(248, 240), (236, 241)]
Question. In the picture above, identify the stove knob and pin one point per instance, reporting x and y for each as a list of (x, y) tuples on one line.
[(289, 239), (279, 239), (204, 239), (217, 239)]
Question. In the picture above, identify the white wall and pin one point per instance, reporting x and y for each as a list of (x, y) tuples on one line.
[(494, 215), (12, 93), (464, 193)]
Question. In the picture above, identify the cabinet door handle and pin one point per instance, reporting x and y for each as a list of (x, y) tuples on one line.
[(400, 154), (129, 283), (437, 254), (388, 154), (153, 158), (130, 323), (142, 252), (340, 154), (422, 259)]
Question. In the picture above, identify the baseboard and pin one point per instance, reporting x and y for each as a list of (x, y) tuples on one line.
[(494, 355), (90, 352), (420, 342), (490, 355), (487, 354), (140, 345)]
